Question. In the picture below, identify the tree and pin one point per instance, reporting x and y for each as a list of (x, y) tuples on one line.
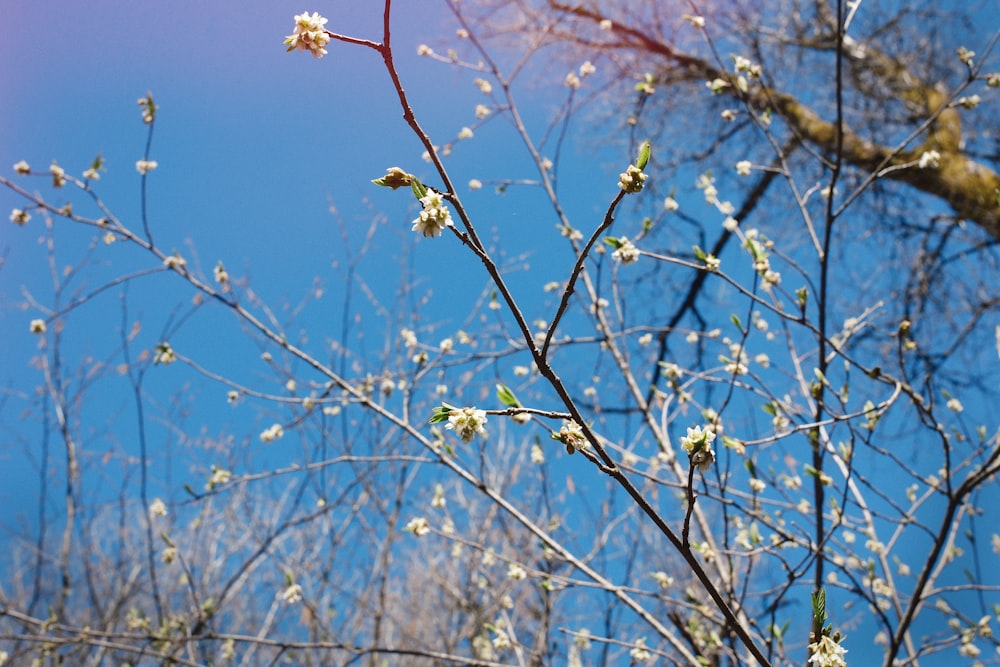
[(750, 417)]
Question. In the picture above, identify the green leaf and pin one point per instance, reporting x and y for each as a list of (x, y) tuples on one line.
[(440, 413), (419, 190), (643, 158), (699, 253), (751, 468), (819, 606), (506, 396), (613, 242), (736, 320), (770, 409)]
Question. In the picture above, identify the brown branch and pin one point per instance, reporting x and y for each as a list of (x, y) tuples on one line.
[(967, 186)]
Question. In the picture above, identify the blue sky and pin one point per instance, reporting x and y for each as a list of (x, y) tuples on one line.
[(254, 146)]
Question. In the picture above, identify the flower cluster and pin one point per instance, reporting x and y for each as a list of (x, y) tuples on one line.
[(292, 594), (418, 526), (219, 477), (434, 217), (626, 252), (698, 444), (164, 354), (571, 435), (145, 166), (757, 246), (158, 508), (631, 181), (827, 653), (272, 433), (467, 422), (148, 108), (639, 652), (309, 35)]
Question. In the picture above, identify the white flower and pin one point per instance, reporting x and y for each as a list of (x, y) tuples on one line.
[(730, 224), (757, 485), (58, 175), (272, 433), (485, 87), (695, 21), (572, 81), (467, 422), (671, 204), (571, 435), (158, 508), (516, 572), (929, 159), (728, 115), (500, 641), (743, 167), (698, 444), (309, 35), (827, 653), (220, 273), (712, 263), (663, 579), (91, 174), (626, 253), (164, 354), (175, 262), (169, 554), (434, 217), (418, 526), (968, 650), (605, 24), (482, 111), (145, 166), (632, 179), (537, 454), (424, 50), (438, 501), (22, 167), (717, 85), (409, 337), (587, 68), (292, 594), (148, 108), (219, 476), (970, 102), (954, 405), (19, 216), (465, 133), (640, 653)]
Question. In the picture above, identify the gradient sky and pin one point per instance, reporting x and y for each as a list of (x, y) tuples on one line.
[(254, 146)]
